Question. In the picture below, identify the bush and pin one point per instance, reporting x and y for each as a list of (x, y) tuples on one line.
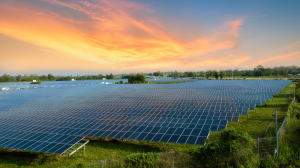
[(137, 79), (289, 153), (142, 160), (297, 94), (38, 82), (233, 148)]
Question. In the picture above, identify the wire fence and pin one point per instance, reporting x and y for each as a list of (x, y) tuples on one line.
[(264, 147)]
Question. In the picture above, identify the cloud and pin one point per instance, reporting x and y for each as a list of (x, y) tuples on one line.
[(124, 35), (291, 56), (85, 7), (67, 19), (289, 46)]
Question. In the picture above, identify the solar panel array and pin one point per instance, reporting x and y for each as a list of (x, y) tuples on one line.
[(175, 113)]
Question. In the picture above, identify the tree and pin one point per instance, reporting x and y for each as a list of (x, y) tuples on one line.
[(224, 74), (19, 77), (207, 75), (32, 77), (235, 72), (216, 74), (111, 76), (26, 78), (136, 78), (157, 73), (259, 67), (5, 78), (221, 74), (51, 77), (201, 74), (186, 74)]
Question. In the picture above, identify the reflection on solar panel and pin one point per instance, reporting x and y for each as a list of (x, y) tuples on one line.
[(51, 119)]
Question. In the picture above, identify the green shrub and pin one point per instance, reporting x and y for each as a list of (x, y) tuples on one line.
[(38, 82), (233, 148), (289, 153), (139, 78), (142, 160), (297, 94)]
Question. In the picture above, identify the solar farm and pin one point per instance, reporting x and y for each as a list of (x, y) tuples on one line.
[(58, 115)]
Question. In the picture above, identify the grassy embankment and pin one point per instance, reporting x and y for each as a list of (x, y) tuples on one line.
[(102, 149)]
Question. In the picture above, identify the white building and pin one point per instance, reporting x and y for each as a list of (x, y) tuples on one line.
[(73, 80), (33, 80)]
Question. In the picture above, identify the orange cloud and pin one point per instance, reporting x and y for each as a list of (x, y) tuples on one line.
[(114, 36), (284, 57)]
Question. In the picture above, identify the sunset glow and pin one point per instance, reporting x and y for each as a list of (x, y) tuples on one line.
[(102, 36)]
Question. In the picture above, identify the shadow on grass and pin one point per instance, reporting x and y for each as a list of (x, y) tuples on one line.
[(21, 158), (139, 146)]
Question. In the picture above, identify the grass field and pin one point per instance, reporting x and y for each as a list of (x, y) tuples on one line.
[(101, 149)]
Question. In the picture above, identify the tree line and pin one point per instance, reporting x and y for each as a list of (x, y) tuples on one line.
[(256, 72), (50, 77), (259, 71)]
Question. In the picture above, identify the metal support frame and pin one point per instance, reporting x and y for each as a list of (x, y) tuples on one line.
[(173, 158), (77, 149)]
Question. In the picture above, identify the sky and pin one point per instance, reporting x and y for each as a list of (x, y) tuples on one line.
[(71, 37)]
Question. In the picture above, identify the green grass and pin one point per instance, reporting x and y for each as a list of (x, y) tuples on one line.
[(97, 149), (105, 149)]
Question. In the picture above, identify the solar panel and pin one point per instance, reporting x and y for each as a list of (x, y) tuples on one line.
[(39, 119), (38, 142)]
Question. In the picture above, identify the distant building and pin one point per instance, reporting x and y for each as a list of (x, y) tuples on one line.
[(73, 80), (104, 79), (33, 80), (5, 88)]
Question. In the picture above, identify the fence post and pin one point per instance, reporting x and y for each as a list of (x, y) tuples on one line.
[(258, 146), (276, 133), (101, 163), (173, 158)]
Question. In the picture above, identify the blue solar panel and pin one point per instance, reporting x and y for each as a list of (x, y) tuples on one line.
[(51, 119), (38, 142)]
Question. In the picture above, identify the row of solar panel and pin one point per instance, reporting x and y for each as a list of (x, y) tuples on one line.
[(54, 143), (128, 121), (38, 142), (76, 130), (113, 120)]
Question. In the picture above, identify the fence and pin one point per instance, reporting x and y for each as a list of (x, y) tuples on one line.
[(166, 160), (264, 147), (267, 145)]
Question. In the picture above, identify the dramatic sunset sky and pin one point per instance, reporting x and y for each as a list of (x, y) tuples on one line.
[(122, 36)]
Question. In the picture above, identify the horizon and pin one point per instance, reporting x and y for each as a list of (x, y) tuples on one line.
[(76, 37)]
